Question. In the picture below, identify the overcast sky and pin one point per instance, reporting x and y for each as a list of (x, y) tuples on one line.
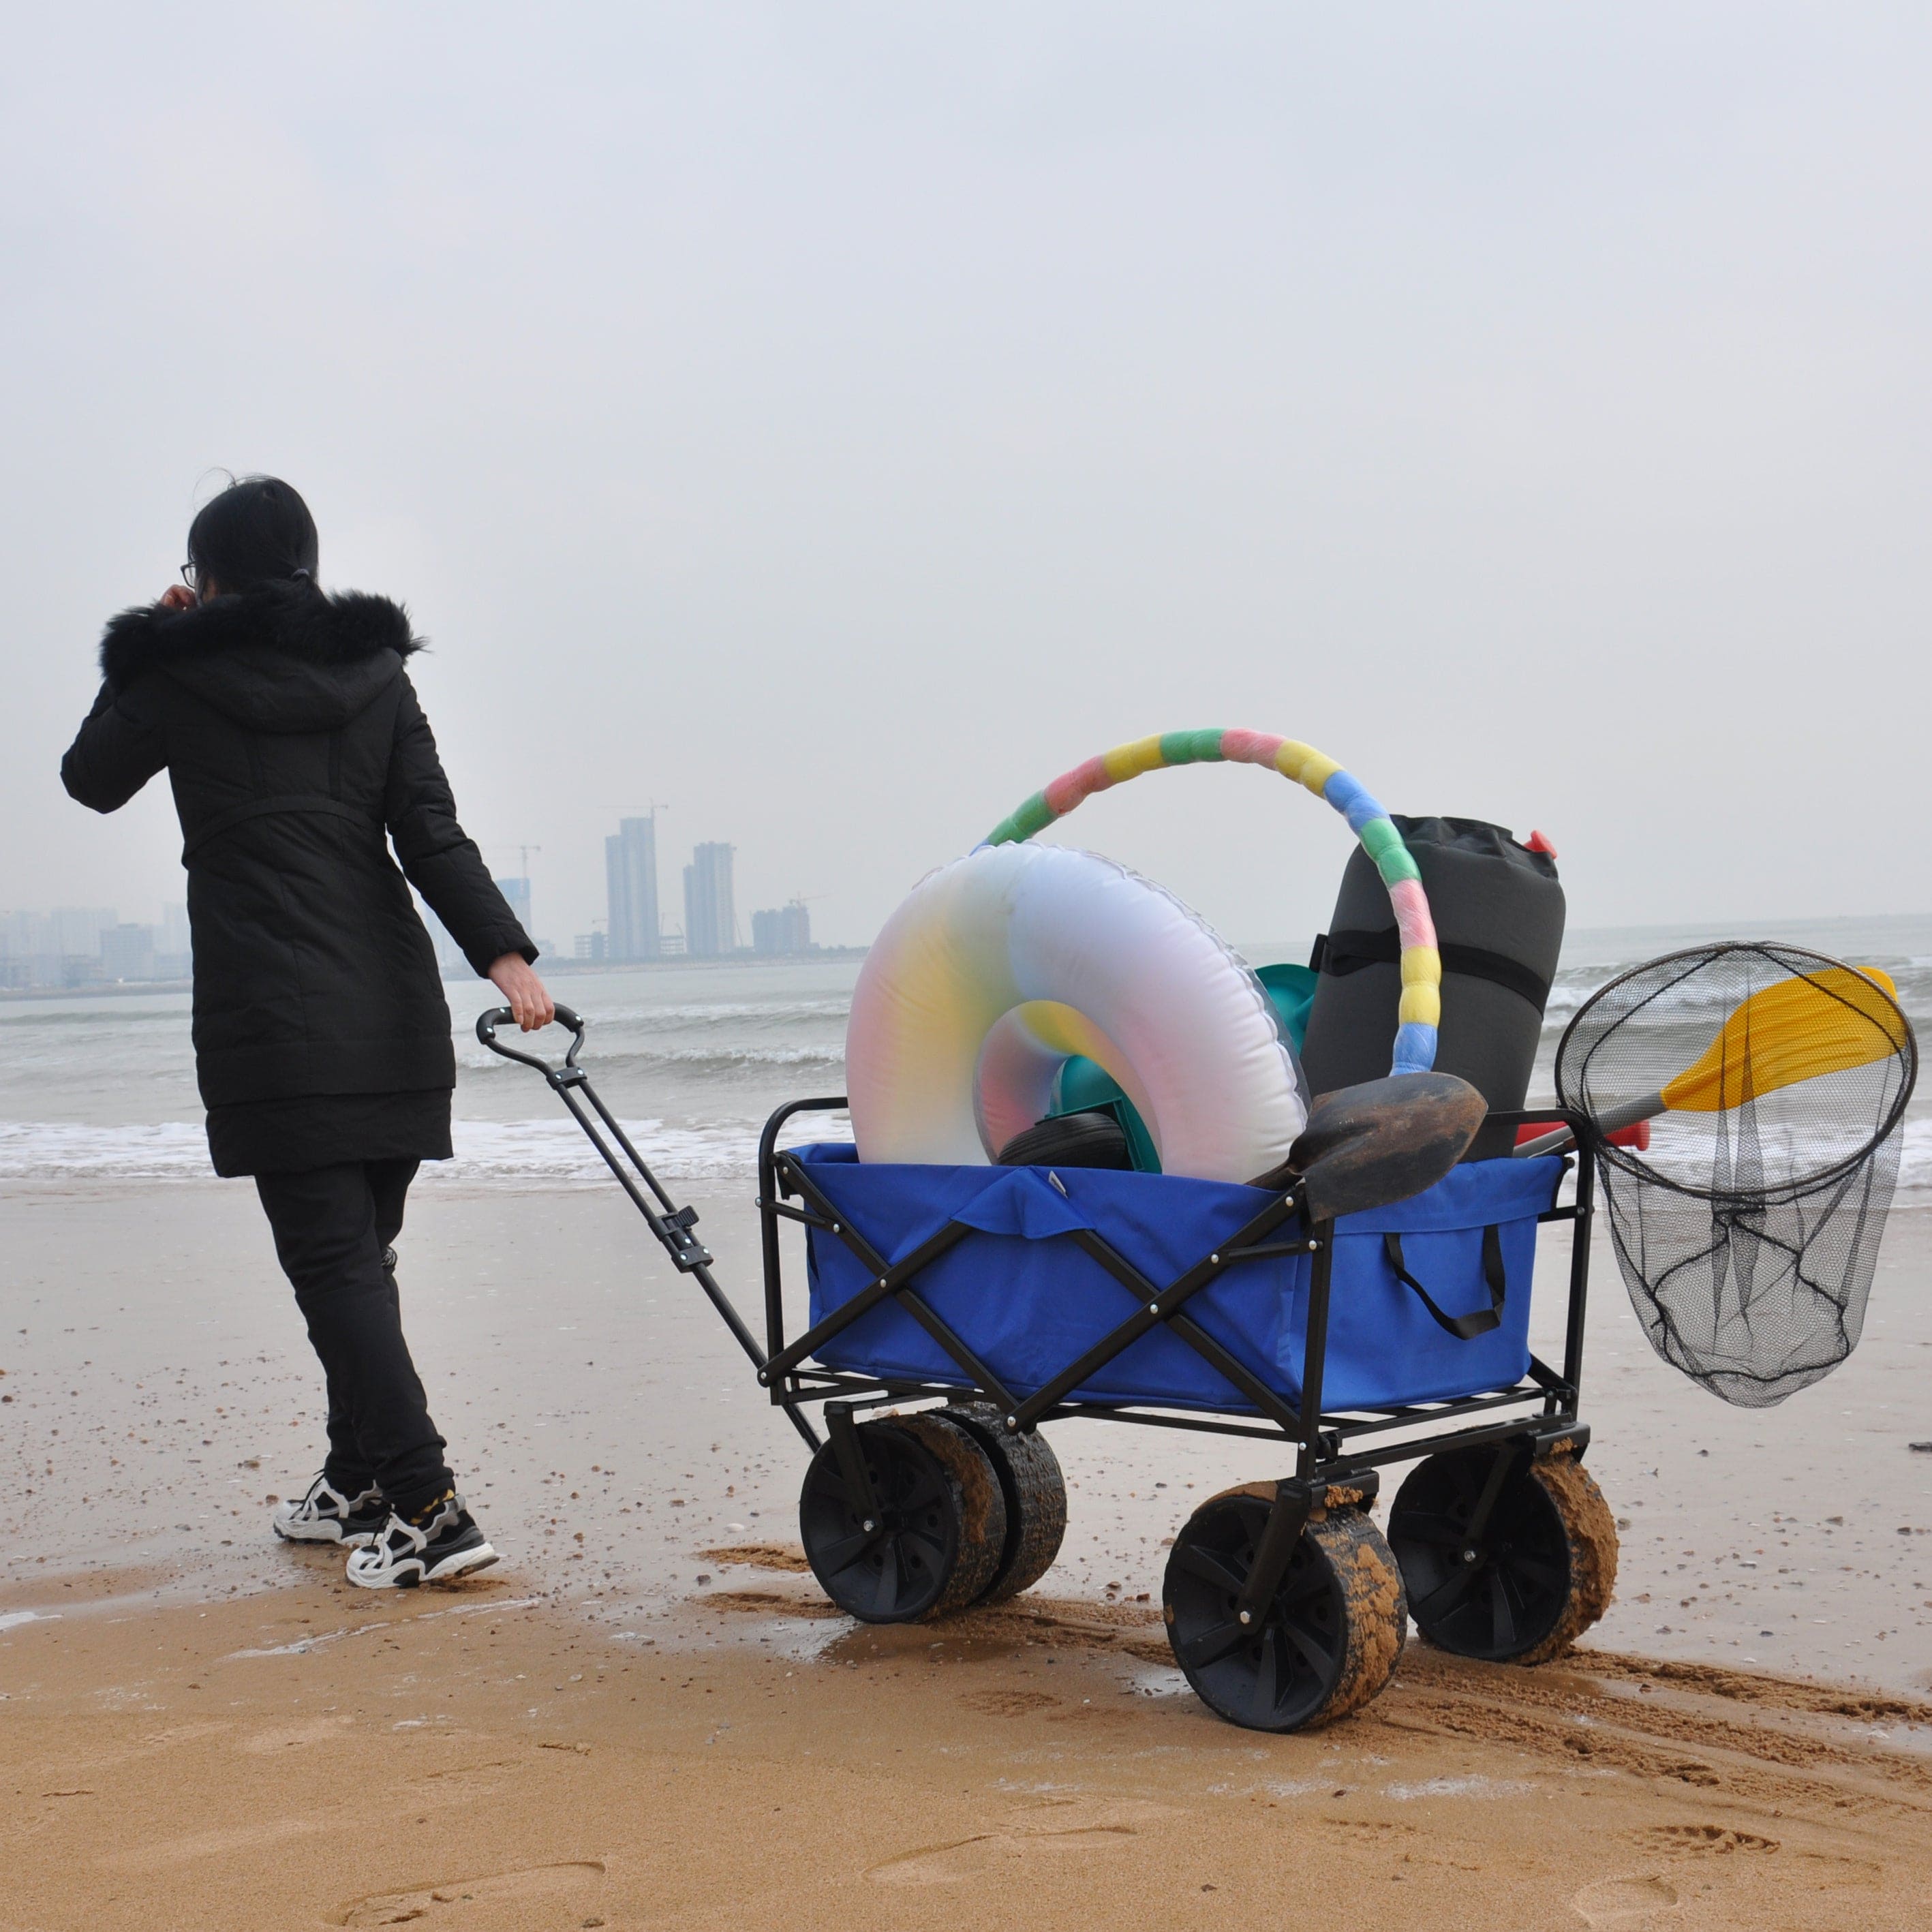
[(833, 421)]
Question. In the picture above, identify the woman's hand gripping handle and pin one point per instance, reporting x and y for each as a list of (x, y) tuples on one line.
[(530, 1006)]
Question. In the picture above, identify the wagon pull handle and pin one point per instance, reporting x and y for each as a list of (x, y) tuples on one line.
[(672, 1224), (569, 1075)]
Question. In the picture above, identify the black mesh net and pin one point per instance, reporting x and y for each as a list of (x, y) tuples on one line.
[(1776, 1081)]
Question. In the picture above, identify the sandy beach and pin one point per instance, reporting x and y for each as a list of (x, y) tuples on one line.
[(906, 577), (297, 1758), (647, 1716)]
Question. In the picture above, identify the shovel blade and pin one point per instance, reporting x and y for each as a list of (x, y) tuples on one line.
[(1367, 1146)]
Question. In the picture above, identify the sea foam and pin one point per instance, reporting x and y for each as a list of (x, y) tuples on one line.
[(528, 1154)]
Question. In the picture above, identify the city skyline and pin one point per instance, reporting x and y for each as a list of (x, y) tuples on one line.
[(79, 946), (75, 946), (634, 927)]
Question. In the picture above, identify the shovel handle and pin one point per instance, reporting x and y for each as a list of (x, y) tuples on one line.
[(1611, 1120)]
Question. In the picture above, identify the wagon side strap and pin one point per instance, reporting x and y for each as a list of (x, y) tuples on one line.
[(1159, 1308), (1464, 1328)]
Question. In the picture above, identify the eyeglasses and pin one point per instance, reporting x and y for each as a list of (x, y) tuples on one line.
[(191, 577)]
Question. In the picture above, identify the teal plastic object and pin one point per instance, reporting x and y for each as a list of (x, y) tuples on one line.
[(1084, 1086), (1292, 990)]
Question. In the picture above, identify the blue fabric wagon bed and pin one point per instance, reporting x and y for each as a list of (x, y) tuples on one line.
[(1030, 1301)]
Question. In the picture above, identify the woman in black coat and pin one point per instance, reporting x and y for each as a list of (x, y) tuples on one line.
[(298, 755)]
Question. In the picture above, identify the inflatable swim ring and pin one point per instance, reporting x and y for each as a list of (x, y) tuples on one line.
[(1002, 965), (966, 1009)]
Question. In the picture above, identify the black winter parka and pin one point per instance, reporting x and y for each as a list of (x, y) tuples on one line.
[(298, 753)]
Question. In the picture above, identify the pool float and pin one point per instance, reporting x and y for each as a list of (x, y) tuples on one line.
[(1001, 965)]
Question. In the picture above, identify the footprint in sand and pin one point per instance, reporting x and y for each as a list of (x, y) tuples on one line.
[(255, 1839), (1625, 1904), (1701, 1838), (997, 1852), (316, 1731), (499, 1899), (1034, 1837)]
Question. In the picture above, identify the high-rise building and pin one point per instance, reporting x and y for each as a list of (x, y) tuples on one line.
[(517, 892), (127, 953), (60, 948), (710, 917), (76, 930), (787, 929), (631, 878), (174, 945), (450, 961)]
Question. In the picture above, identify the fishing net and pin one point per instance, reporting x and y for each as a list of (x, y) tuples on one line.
[(1747, 1230)]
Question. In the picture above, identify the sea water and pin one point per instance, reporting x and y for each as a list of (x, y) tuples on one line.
[(692, 1056), (171, 1395)]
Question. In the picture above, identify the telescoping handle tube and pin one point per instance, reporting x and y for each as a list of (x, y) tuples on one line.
[(672, 1224)]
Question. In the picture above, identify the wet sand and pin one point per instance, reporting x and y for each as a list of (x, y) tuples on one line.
[(646, 1716), (309, 1757), (162, 1390)]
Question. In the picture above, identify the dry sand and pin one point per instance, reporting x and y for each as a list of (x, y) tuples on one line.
[(661, 1726)]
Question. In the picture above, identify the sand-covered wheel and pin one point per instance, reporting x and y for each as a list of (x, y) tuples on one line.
[(983, 1505), (1326, 1641), (936, 1537), (1035, 1490), (1505, 1558)]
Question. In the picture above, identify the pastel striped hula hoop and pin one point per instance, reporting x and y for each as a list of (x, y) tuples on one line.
[(1420, 1013)]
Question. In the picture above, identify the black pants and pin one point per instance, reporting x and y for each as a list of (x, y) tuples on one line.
[(331, 1224)]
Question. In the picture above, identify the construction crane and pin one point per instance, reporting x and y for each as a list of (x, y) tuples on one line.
[(522, 853)]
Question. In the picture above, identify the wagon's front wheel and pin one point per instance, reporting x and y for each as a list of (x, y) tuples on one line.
[(1505, 1558), (931, 1540), (1324, 1645)]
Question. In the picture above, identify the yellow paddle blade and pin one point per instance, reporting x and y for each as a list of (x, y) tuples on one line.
[(1824, 1022)]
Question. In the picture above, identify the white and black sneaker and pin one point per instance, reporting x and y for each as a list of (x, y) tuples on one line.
[(325, 1515), (446, 1543)]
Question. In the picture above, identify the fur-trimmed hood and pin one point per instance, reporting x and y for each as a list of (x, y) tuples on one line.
[(279, 658)]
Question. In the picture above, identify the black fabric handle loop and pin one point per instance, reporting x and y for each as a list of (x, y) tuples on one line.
[(1464, 1328), (1341, 953)]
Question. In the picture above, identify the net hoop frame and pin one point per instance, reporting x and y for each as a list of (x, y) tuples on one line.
[(1694, 957)]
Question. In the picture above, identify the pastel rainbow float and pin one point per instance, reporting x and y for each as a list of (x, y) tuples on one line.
[(1000, 966)]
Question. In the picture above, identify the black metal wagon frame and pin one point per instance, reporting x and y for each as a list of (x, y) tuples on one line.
[(1338, 1455), (1328, 1446)]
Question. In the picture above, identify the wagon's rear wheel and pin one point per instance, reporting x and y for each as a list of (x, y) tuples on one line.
[(1326, 1643), (983, 1505), (936, 1539), (1036, 1497), (1523, 1585)]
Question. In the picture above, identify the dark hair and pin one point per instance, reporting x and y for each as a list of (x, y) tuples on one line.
[(257, 531)]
